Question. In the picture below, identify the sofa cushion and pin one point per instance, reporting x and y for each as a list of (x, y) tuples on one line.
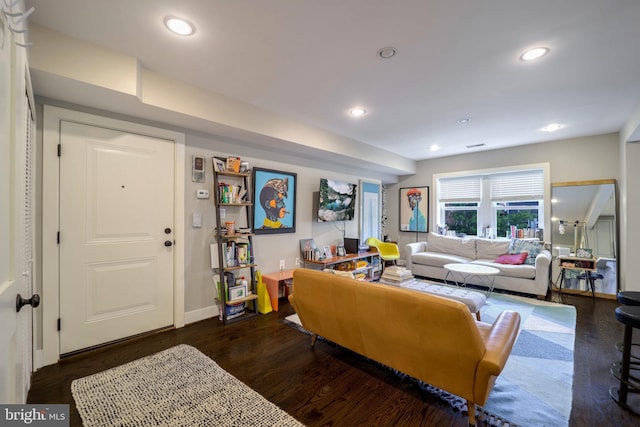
[(437, 259), (452, 245), (522, 271), (515, 259), (532, 247), (491, 249)]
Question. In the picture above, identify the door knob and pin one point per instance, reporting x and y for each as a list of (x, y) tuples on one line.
[(168, 243), (34, 301)]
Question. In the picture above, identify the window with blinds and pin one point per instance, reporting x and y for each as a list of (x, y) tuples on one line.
[(522, 185), (492, 204)]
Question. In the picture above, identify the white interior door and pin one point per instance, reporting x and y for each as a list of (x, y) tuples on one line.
[(116, 234), (16, 229)]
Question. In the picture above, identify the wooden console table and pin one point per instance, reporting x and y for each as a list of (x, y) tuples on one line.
[(273, 282), (371, 270)]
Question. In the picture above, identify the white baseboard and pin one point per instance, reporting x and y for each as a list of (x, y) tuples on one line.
[(37, 360), (201, 314)]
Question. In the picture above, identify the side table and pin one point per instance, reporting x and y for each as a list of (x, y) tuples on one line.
[(273, 281)]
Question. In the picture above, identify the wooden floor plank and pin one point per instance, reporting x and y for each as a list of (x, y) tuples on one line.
[(329, 385)]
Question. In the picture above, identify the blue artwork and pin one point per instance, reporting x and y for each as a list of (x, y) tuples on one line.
[(274, 201)]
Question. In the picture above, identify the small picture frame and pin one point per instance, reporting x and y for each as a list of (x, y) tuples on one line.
[(237, 292), (340, 251), (584, 253), (326, 250), (219, 164)]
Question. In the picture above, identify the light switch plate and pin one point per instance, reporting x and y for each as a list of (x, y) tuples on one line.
[(196, 220)]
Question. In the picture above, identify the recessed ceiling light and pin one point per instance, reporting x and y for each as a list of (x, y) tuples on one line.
[(534, 53), (434, 147), (179, 26), (464, 120), (387, 52), (552, 127), (357, 112)]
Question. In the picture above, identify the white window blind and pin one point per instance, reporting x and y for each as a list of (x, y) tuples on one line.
[(460, 189), (521, 185)]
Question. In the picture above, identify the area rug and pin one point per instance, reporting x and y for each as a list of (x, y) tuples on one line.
[(535, 388), (176, 387)]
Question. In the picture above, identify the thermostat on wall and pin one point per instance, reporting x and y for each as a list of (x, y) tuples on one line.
[(202, 194)]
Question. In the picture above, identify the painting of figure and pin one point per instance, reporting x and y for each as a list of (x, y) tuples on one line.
[(414, 209), (274, 201)]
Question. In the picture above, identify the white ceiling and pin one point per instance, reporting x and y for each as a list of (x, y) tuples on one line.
[(311, 61)]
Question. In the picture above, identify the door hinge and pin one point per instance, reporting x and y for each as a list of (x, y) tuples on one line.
[(58, 324), (58, 238), (59, 150)]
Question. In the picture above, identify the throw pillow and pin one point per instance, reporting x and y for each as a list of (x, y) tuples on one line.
[(513, 259), (532, 247)]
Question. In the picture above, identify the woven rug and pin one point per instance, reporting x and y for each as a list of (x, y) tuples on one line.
[(176, 387), (535, 387)]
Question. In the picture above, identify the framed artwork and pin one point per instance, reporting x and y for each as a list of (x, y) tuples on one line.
[(219, 164), (584, 253), (414, 209), (326, 250), (237, 292), (274, 198)]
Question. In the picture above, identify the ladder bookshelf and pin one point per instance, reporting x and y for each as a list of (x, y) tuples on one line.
[(236, 300)]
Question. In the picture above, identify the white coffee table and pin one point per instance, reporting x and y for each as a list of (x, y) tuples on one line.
[(466, 271)]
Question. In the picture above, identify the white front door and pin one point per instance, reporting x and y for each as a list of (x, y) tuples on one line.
[(116, 234)]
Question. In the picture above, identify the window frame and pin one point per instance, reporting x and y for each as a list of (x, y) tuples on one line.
[(487, 211)]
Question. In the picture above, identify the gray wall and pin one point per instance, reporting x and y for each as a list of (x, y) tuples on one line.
[(268, 249)]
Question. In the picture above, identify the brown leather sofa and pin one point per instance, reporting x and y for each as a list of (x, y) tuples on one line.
[(430, 338)]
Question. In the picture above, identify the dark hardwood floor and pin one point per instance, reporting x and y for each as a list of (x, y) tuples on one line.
[(330, 386)]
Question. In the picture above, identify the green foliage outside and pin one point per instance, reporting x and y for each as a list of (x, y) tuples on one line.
[(519, 218), (467, 221)]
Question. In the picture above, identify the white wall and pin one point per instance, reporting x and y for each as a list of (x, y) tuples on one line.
[(630, 226)]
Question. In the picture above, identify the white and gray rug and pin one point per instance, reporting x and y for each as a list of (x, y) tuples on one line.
[(176, 387), (535, 387)]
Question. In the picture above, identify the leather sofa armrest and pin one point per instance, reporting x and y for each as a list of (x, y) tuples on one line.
[(498, 345), (413, 248), (499, 341)]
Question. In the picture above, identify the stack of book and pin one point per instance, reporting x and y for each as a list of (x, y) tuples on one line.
[(397, 276)]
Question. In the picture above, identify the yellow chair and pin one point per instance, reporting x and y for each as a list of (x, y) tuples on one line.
[(388, 251)]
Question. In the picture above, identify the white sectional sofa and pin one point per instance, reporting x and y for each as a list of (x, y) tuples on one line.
[(427, 259)]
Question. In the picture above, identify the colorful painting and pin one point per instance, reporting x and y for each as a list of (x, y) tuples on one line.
[(414, 209), (337, 201), (274, 196)]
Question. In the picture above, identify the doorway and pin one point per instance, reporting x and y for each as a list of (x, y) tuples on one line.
[(114, 200)]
